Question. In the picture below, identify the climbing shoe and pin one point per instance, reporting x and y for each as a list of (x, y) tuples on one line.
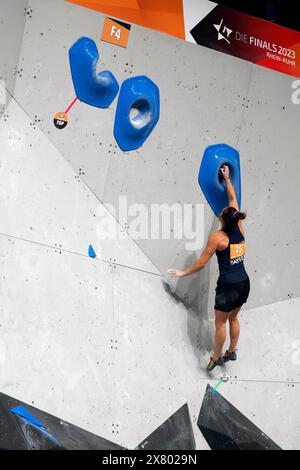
[(229, 356), (212, 364)]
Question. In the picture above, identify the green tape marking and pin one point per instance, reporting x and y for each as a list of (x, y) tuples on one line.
[(218, 384)]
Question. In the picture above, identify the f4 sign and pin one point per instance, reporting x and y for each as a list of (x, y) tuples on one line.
[(115, 32)]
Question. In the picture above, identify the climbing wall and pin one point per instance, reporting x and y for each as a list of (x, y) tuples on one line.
[(12, 20), (110, 344)]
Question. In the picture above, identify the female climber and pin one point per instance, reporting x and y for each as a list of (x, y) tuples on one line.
[(233, 284)]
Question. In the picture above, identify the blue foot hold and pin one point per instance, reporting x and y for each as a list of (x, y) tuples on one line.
[(137, 112), (210, 180), (31, 420), (95, 89), (92, 253), (22, 412)]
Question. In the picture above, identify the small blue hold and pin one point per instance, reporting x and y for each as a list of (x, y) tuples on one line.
[(95, 89), (31, 420), (92, 253), (27, 416)]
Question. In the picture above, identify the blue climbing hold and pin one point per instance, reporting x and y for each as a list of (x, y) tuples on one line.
[(137, 112), (210, 179), (92, 253), (27, 416), (95, 89), (31, 420)]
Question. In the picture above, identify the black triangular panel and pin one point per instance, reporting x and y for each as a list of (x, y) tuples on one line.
[(176, 433), (17, 434), (226, 428), (33, 438)]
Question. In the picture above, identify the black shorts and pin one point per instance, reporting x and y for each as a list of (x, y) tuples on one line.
[(230, 295)]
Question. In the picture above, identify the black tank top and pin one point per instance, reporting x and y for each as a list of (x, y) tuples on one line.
[(231, 260)]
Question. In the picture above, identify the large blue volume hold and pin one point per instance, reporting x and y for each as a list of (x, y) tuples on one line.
[(95, 89), (210, 179), (137, 112)]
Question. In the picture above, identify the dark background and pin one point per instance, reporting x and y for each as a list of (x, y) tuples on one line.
[(283, 12)]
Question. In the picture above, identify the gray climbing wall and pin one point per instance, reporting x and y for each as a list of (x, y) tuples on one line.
[(113, 334), (220, 98), (12, 22)]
